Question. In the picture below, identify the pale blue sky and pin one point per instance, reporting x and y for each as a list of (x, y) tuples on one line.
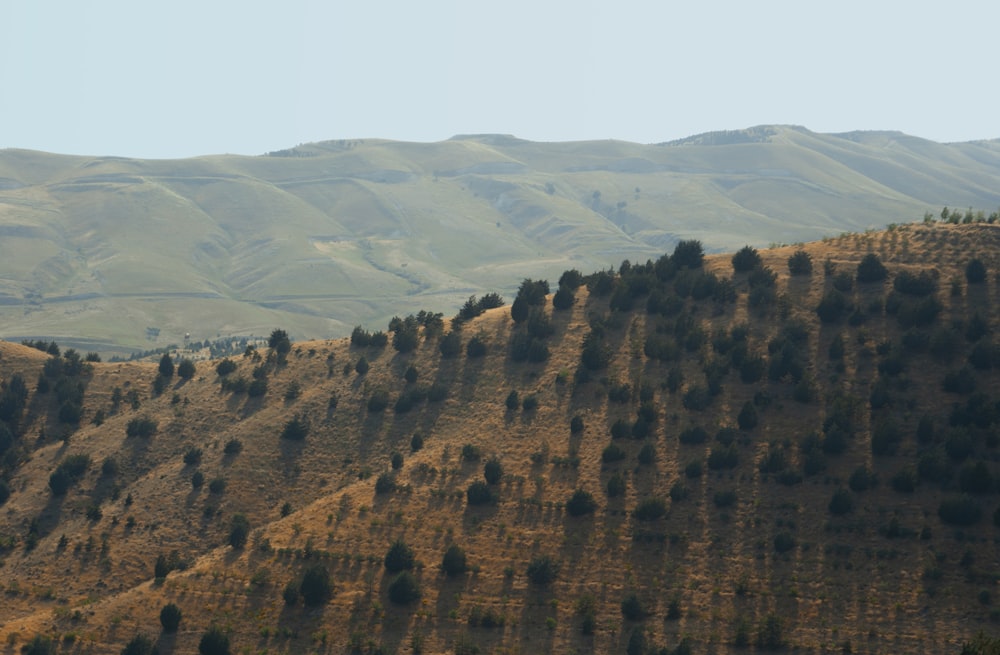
[(182, 78)]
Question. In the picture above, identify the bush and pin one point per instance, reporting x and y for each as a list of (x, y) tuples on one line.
[(580, 503), (632, 608), (385, 483), (975, 272), (453, 563), (612, 453), (141, 427), (616, 485), (725, 498), (871, 269), (513, 401), (783, 542), (139, 645), (257, 388), (746, 258), (416, 442), (217, 485), (225, 367), (404, 589), (862, 479), (399, 557), (239, 530), (479, 493), (841, 503), (960, 510), (378, 401), (170, 618), (316, 588), (576, 425), (832, 306), (769, 633), (800, 263), (476, 347), (543, 570), (650, 509), (186, 369), (647, 454), (296, 429), (233, 447), (214, 642), (747, 418)]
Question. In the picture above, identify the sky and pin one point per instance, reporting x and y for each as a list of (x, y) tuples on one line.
[(156, 79)]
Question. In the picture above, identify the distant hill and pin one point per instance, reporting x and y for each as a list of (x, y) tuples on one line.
[(786, 449), (135, 254)]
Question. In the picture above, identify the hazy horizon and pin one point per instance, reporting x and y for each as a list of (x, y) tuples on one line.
[(184, 79)]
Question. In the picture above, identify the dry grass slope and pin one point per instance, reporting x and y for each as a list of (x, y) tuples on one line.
[(747, 547)]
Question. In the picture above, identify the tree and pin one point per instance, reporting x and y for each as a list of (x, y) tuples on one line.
[(975, 272), (580, 503), (170, 617), (404, 589), (239, 530), (279, 342), (563, 299), (166, 367), (871, 269), (214, 642), (399, 557), (140, 645), (800, 263), (453, 563), (493, 471), (316, 588), (746, 259), (543, 570), (688, 254), (186, 369)]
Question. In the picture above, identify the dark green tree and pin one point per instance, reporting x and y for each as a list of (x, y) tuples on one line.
[(166, 367), (239, 530), (170, 618), (399, 557), (214, 642), (404, 589), (186, 369), (580, 503), (140, 645), (316, 588), (453, 563), (746, 259), (279, 342), (871, 269)]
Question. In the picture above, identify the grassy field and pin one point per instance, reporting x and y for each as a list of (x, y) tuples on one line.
[(326, 236)]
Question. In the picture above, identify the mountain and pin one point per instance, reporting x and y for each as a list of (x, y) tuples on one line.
[(702, 454), (127, 254)]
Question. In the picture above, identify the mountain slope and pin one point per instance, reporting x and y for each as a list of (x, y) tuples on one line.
[(857, 512), (324, 236)]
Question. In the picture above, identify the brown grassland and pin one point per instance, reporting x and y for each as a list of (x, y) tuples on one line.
[(765, 566)]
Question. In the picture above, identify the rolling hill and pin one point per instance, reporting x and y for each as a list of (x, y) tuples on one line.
[(695, 455), (115, 254)]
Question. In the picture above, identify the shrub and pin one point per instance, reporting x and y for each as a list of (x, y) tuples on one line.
[(493, 471), (745, 259), (233, 447), (476, 347), (239, 530), (832, 306), (453, 563), (747, 418), (576, 425), (513, 400), (783, 542), (724, 498), (616, 485), (800, 263), (632, 608), (404, 589), (905, 480), (960, 510), (192, 456), (217, 485), (471, 453), (647, 454), (862, 479), (141, 427), (581, 503), (197, 480), (650, 509), (166, 367), (214, 642), (257, 388), (543, 570), (170, 618), (841, 503), (693, 435), (416, 442), (871, 269), (385, 483), (378, 401), (612, 453), (186, 369), (296, 429), (975, 272), (316, 588), (530, 403), (479, 493), (399, 557), (225, 367), (769, 633)]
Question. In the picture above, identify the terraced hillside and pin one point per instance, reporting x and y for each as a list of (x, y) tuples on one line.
[(687, 455)]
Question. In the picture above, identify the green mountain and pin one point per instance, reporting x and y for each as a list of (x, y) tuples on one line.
[(108, 252)]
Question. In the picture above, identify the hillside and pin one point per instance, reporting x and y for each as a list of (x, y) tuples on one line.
[(751, 471), (326, 236)]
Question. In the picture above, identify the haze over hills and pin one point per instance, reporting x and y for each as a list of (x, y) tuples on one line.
[(324, 236), (780, 450)]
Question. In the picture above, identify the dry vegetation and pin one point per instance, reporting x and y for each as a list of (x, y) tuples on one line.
[(732, 543)]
